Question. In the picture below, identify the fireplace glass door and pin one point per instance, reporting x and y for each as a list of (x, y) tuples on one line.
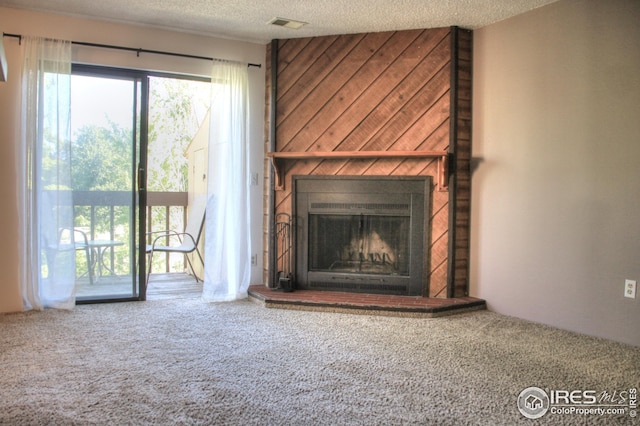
[(365, 244), (361, 234)]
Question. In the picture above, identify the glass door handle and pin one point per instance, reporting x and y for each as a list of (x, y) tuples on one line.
[(142, 179)]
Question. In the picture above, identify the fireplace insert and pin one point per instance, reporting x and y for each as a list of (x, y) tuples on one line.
[(361, 234)]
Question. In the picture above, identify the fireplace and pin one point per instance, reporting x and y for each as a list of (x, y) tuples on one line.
[(361, 234)]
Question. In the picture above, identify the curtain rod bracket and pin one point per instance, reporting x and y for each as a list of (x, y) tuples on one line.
[(18, 36)]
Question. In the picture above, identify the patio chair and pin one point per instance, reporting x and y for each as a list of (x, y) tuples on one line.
[(62, 240), (181, 242), (79, 245), (68, 241)]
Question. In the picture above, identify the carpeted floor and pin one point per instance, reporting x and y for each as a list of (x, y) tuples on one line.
[(185, 361)]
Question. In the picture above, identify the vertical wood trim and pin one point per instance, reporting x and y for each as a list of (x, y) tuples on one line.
[(272, 147), (460, 191), (463, 166), (453, 139)]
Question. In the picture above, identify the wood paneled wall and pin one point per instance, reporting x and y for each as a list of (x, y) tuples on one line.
[(402, 90)]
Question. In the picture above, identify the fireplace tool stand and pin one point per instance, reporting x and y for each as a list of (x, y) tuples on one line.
[(284, 276)]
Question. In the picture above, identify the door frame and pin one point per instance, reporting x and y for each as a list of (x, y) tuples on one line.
[(139, 163)]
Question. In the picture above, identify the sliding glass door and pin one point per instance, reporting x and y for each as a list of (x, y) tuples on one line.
[(138, 157), (108, 122)]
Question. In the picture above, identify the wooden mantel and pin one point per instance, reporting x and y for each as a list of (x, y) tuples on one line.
[(278, 159)]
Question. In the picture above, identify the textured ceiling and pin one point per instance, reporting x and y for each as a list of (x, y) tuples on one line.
[(247, 19)]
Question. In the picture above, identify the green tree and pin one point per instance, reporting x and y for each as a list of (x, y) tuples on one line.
[(100, 157), (175, 114), (100, 160)]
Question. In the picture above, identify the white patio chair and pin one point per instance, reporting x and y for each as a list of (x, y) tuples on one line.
[(181, 242), (61, 240)]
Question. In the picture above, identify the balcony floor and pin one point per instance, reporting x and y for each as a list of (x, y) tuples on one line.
[(177, 285), (173, 286)]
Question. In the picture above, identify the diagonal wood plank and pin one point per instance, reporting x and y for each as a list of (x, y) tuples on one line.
[(343, 73), (326, 57), (343, 96)]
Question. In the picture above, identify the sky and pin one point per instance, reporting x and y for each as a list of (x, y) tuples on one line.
[(96, 101)]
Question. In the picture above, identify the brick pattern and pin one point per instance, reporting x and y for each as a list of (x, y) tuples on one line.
[(357, 302)]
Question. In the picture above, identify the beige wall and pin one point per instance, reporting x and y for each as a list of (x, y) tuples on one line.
[(556, 195), (9, 100), (30, 23)]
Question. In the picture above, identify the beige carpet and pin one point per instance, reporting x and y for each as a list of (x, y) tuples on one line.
[(185, 361)]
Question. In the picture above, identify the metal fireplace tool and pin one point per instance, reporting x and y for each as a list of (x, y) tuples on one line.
[(284, 276)]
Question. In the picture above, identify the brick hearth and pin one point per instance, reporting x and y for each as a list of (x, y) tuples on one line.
[(360, 303)]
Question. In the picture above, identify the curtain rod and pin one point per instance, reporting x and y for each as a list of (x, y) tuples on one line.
[(137, 50)]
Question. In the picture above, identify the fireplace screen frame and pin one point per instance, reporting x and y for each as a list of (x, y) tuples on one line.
[(360, 195)]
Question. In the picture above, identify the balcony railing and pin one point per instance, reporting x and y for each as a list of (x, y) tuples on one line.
[(162, 204), (105, 215)]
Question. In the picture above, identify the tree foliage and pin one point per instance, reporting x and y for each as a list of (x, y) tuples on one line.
[(174, 119), (101, 159)]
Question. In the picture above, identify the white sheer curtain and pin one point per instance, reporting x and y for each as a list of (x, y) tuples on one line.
[(45, 200), (227, 238)]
